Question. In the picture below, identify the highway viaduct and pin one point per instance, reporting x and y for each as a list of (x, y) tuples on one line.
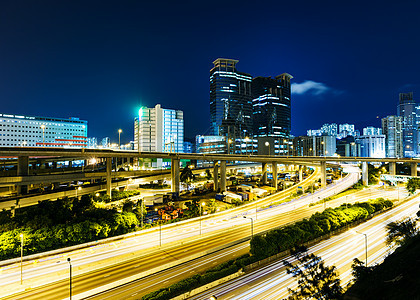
[(25, 154)]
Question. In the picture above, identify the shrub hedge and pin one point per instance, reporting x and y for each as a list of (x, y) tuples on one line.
[(319, 224)]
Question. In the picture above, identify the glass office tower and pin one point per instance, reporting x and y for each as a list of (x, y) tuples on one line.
[(271, 106), (230, 100), (407, 110)]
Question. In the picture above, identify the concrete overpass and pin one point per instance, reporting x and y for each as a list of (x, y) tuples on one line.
[(24, 154)]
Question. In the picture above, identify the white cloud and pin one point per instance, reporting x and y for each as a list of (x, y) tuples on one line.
[(309, 86)]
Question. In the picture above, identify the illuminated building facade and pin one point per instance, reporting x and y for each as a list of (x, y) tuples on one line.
[(324, 145), (210, 144), (392, 128), (230, 100), (271, 106), (159, 130), (25, 131), (407, 110), (372, 145)]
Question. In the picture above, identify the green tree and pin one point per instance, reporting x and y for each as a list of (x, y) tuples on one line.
[(315, 280), (139, 210), (186, 175), (400, 232), (193, 208), (412, 185), (128, 206), (359, 270), (208, 174)]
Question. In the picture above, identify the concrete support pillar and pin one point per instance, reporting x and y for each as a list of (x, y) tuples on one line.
[(300, 173), (175, 175), (413, 169), (365, 174), (392, 168), (23, 170), (323, 174), (216, 176), (274, 172), (264, 173), (70, 164), (222, 175), (108, 176)]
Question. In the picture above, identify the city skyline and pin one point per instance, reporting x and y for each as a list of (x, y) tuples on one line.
[(101, 61)]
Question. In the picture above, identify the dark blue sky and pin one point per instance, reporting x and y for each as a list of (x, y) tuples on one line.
[(101, 60)]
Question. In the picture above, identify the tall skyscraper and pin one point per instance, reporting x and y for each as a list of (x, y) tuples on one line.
[(230, 100), (271, 106), (407, 110), (392, 129), (159, 130)]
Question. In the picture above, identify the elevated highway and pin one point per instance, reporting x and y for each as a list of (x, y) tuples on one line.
[(25, 154)]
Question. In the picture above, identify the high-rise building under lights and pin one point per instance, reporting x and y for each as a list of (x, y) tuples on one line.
[(271, 106), (392, 129), (159, 130), (407, 110), (230, 100)]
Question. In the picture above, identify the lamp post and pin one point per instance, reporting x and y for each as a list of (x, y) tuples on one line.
[(141, 203), (160, 230), (229, 142), (366, 247), (252, 226), (68, 259), (79, 188), (268, 145), (43, 135), (201, 213), (21, 258), (160, 233), (119, 138), (256, 215)]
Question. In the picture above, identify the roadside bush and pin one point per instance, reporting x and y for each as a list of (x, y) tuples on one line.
[(278, 240)]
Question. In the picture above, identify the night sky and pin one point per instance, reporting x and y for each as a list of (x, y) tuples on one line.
[(101, 60)]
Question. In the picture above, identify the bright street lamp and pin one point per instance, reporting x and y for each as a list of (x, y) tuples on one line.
[(119, 138), (366, 247), (43, 135), (68, 259), (160, 230), (252, 226), (229, 142), (268, 145), (201, 213), (79, 188), (21, 258)]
